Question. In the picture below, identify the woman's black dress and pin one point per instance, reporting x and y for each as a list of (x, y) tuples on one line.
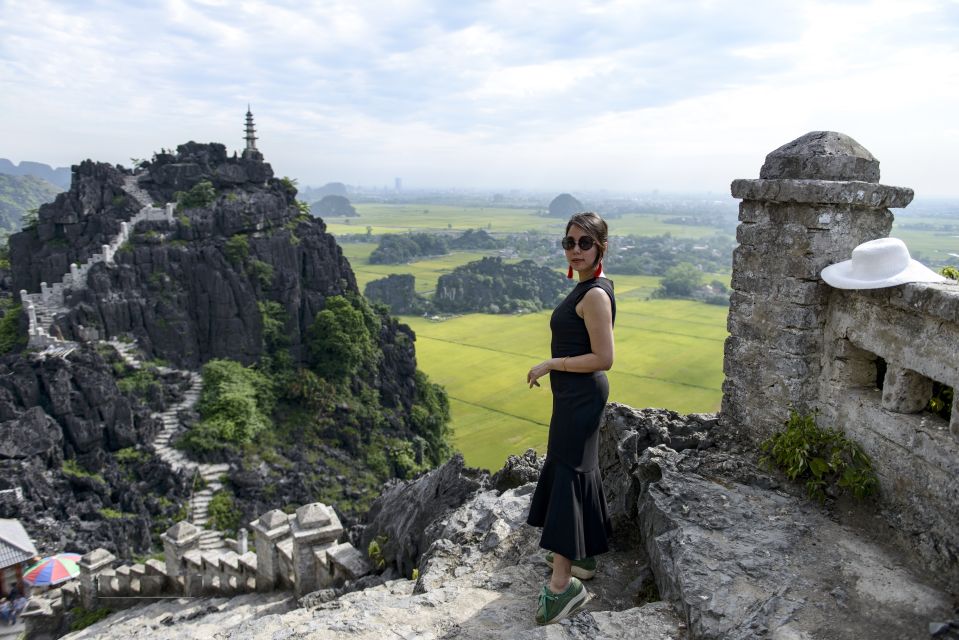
[(569, 502)]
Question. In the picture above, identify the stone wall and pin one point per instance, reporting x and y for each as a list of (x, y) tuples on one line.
[(797, 343)]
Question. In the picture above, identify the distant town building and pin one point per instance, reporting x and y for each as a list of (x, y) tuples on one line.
[(398, 184)]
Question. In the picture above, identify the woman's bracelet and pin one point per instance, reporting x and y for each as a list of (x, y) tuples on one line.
[(564, 363)]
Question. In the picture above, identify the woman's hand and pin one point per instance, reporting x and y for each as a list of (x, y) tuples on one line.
[(538, 372)]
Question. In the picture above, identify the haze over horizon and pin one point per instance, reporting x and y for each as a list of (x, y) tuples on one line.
[(626, 96)]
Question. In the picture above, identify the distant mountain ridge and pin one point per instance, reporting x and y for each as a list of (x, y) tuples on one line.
[(20, 194), (59, 176)]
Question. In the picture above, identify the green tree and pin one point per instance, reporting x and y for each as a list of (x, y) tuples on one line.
[(430, 418), (341, 338), (680, 281), (11, 338), (202, 194), (234, 405)]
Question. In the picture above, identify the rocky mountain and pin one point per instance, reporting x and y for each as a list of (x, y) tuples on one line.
[(564, 205), (238, 272), (490, 285), (334, 206), (60, 177), (398, 292), (19, 195)]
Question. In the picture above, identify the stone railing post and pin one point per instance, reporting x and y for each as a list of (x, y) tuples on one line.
[(107, 254), (75, 274), (170, 206), (816, 199), (90, 565), (177, 541), (242, 541), (32, 316), (315, 525), (268, 529)]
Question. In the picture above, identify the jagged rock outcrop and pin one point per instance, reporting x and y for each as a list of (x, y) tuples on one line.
[(517, 471), (399, 518), (193, 162), (80, 395), (73, 227), (740, 558), (71, 409), (397, 291)]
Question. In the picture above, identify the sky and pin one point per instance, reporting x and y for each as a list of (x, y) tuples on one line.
[(621, 95)]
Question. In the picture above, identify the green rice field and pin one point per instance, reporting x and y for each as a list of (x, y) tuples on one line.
[(668, 354)]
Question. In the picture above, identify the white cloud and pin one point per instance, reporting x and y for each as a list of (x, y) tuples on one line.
[(597, 94)]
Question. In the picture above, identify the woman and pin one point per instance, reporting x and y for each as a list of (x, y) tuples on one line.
[(569, 503)]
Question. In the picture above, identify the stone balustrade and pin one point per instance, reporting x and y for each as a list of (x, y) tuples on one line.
[(864, 360), (297, 552)]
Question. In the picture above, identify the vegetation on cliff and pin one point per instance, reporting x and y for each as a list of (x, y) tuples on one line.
[(399, 248), (490, 285)]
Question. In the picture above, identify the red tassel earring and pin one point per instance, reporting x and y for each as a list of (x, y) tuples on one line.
[(599, 269), (569, 274)]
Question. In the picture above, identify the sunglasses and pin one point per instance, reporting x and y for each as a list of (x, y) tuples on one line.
[(585, 243)]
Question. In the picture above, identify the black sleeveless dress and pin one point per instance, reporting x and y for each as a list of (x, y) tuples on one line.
[(569, 503)]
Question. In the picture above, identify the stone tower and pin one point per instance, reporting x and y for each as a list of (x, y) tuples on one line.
[(816, 199), (250, 152)]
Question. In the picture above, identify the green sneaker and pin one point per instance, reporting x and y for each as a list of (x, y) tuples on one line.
[(583, 569), (556, 606)]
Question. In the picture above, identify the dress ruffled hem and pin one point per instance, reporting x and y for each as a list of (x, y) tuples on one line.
[(571, 508)]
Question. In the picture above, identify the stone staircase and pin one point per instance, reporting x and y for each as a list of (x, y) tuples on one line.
[(210, 474)]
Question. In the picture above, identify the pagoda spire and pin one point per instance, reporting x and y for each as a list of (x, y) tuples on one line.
[(250, 152)]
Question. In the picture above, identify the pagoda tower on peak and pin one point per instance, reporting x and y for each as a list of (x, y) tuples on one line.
[(250, 152)]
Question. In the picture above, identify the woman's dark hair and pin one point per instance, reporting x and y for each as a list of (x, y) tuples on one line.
[(595, 228)]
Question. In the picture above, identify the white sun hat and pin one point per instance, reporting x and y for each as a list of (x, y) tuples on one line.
[(876, 264)]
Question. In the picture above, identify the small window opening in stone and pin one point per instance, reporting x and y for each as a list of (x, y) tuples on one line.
[(941, 401), (880, 372)]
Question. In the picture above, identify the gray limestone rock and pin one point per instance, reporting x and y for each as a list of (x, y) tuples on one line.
[(33, 435), (517, 471), (822, 155), (405, 509), (737, 558)]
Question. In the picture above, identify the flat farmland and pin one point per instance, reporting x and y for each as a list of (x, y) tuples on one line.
[(668, 354), (401, 218)]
